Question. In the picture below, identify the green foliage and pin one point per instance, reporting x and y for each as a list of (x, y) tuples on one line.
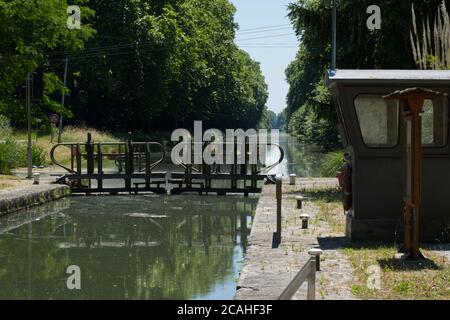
[(39, 155), (331, 163), (9, 151), (29, 31), (163, 65), (134, 66), (310, 112)]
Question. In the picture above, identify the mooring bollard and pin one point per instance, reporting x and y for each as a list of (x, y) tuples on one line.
[(299, 201), (292, 179), (279, 183), (36, 178), (316, 252), (305, 219)]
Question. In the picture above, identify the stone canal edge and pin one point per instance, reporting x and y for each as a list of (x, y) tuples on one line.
[(29, 196), (266, 271)]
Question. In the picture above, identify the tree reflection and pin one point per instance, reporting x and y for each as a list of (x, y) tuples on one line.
[(150, 248)]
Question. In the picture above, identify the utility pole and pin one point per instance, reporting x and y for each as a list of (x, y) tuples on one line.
[(28, 94), (334, 31), (62, 102)]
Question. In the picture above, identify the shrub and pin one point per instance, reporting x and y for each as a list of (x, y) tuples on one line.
[(14, 154), (39, 155), (331, 163), (4, 167), (9, 149)]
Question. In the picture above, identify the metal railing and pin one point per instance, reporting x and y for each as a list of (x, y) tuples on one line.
[(307, 273)]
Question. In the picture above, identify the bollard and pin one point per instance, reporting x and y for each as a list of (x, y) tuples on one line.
[(305, 219), (299, 201), (292, 179), (315, 252), (36, 178)]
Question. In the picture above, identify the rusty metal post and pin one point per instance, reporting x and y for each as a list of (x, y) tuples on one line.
[(413, 100)]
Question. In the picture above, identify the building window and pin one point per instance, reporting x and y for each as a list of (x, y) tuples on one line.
[(435, 123), (378, 120)]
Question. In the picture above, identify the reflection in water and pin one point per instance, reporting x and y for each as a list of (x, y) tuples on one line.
[(303, 160), (146, 247)]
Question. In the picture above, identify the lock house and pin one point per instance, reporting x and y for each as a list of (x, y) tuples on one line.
[(372, 129)]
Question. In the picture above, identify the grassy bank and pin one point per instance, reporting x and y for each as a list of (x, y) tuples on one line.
[(400, 280), (43, 143), (13, 145)]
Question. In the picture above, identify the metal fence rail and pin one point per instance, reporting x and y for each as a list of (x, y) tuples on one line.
[(307, 273)]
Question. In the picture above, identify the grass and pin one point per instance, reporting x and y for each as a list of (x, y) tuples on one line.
[(400, 280), (329, 203), (5, 181), (4, 177), (70, 134)]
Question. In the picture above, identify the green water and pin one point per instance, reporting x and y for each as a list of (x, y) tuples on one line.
[(127, 247), (136, 247), (303, 160)]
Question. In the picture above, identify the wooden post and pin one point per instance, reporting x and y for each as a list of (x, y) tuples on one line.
[(129, 158), (148, 170), (72, 155), (99, 165), (311, 295), (89, 154), (78, 159)]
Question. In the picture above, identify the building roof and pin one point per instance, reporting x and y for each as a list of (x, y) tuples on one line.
[(387, 76)]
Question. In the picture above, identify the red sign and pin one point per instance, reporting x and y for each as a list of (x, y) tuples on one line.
[(54, 118)]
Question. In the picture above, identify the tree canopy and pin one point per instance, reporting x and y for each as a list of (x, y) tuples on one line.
[(136, 65), (310, 112)]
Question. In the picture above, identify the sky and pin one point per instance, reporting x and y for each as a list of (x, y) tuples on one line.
[(275, 47)]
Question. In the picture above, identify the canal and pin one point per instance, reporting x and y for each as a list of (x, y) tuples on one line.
[(135, 247)]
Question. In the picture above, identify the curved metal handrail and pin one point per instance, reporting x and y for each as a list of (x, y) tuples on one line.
[(52, 155), (280, 160), (72, 144), (267, 168)]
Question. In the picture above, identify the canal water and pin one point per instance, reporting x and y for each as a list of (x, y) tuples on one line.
[(127, 247), (302, 160), (135, 247)]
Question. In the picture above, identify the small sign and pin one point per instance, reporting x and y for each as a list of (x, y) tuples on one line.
[(54, 118)]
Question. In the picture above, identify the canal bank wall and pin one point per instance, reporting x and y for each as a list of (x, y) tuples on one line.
[(27, 196), (267, 271)]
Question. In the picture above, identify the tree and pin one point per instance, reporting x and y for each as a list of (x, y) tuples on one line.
[(160, 65), (29, 31), (310, 112)]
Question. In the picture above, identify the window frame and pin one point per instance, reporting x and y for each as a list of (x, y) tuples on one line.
[(359, 123), (432, 147)]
